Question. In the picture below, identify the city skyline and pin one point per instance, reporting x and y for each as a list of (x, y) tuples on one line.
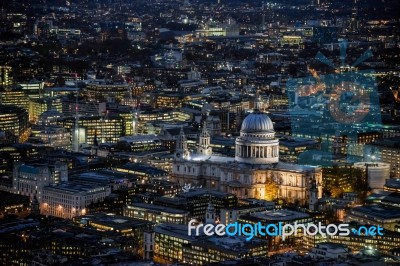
[(199, 132)]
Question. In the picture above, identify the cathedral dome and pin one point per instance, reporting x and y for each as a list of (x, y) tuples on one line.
[(257, 122), (257, 143)]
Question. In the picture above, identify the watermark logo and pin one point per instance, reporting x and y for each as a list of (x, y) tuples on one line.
[(284, 230), (334, 108)]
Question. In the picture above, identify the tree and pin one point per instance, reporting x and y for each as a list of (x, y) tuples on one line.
[(271, 190), (336, 192)]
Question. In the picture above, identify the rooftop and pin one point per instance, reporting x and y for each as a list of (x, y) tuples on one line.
[(72, 188), (393, 143), (377, 211), (279, 215), (332, 246), (116, 222), (156, 208), (203, 192), (140, 138)]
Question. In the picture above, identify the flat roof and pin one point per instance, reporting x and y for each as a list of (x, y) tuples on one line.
[(331, 245), (202, 192), (140, 138), (118, 222), (393, 183), (279, 215), (389, 143), (70, 187), (377, 211), (156, 208), (295, 142), (177, 230)]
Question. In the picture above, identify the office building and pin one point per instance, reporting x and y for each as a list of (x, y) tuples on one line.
[(34, 89), (172, 244), (6, 76), (55, 137), (67, 200), (197, 200), (14, 96), (385, 243), (283, 216), (11, 204), (384, 216), (96, 128), (291, 148), (377, 173), (14, 119), (106, 90), (328, 250), (137, 235), (29, 179), (156, 214), (385, 151)]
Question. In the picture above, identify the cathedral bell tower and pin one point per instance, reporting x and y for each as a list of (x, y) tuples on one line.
[(258, 103), (204, 147), (181, 151)]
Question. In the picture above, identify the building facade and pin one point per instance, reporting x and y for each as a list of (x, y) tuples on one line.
[(67, 200), (30, 179), (385, 151), (156, 214), (14, 119)]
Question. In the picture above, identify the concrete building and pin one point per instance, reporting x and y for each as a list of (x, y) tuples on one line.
[(385, 151), (30, 178), (377, 173), (156, 214), (231, 215), (6, 76), (14, 119), (384, 216), (55, 137), (172, 244), (328, 250), (67, 200)]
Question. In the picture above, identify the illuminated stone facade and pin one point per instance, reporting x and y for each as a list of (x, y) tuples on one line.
[(255, 172)]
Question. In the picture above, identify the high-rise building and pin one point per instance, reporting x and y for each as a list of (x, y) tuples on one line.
[(96, 128), (106, 90), (385, 151), (14, 96), (6, 78), (14, 119), (34, 89)]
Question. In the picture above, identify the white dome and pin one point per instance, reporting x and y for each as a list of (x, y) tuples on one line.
[(257, 122), (257, 143)]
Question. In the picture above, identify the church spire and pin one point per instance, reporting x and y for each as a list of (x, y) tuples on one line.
[(258, 103), (204, 146), (181, 151)]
